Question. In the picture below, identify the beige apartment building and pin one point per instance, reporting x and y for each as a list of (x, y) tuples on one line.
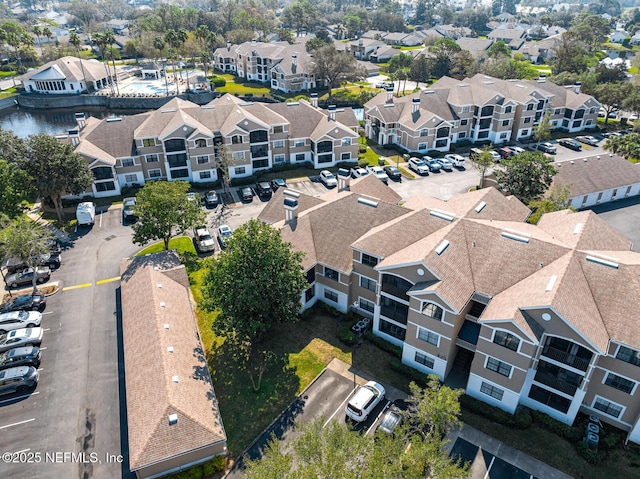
[(539, 315), (181, 141), (477, 109)]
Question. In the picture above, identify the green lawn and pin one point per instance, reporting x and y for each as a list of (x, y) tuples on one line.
[(257, 89), (182, 244)]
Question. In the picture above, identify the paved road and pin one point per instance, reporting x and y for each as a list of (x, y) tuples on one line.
[(76, 406)]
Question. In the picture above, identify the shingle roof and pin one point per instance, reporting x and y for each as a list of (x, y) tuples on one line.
[(156, 316), (274, 212), (591, 175), (72, 69), (114, 137)]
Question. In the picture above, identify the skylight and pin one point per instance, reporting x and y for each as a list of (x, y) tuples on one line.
[(365, 201), (603, 262), (480, 206), (511, 236), (441, 247)]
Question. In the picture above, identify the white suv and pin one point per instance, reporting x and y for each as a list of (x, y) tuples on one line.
[(18, 320), (365, 399)]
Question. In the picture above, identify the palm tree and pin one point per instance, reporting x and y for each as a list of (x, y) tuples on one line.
[(207, 38), (158, 44), (182, 37), (74, 39), (37, 31), (171, 38), (110, 40)]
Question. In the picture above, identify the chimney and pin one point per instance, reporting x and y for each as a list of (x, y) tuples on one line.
[(290, 209), (343, 179), (314, 100), (576, 86), (332, 113), (294, 62), (389, 95), (80, 120), (228, 46), (415, 105), (74, 137)]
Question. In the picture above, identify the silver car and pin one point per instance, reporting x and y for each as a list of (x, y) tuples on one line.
[(42, 274), (328, 179), (18, 320), (19, 379), (20, 337)]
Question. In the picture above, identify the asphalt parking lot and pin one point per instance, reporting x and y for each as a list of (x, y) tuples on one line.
[(485, 465)]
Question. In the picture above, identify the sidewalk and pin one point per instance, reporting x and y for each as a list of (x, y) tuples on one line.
[(487, 443), (36, 218)]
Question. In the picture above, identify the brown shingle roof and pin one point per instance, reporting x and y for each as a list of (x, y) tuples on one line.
[(156, 316), (273, 212), (114, 137)]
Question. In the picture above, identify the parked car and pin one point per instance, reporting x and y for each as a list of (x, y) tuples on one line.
[(51, 260), (433, 165), (570, 143), (211, 198), (19, 379), (54, 245), (475, 152), (495, 155), (419, 166), (278, 183), (505, 152), (391, 420), (445, 164), (86, 213), (364, 400), (455, 159), (27, 302), (379, 173), (359, 171), (587, 140), (20, 337), (25, 356), (128, 209), (328, 179), (19, 319), (384, 84), (393, 172), (612, 134), (246, 194), (193, 196), (547, 148), (224, 233), (516, 150), (204, 241), (41, 273), (264, 189)]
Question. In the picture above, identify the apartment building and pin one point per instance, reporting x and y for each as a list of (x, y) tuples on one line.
[(283, 67), (183, 140), (477, 109), (541, 316)]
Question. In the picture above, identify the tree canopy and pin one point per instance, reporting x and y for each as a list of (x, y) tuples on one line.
[(482, 163), (527, 175), (335, 67), (14, 188), (164, 211), (627, 146), (256, 282)]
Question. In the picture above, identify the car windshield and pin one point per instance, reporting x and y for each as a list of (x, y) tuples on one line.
[(419, 162), (329, 176), (205, 237)]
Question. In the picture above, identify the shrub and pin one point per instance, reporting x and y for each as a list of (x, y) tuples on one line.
[(592, 456), (384, 345), (247, 180), (362, 148), (345, 334), (555, 426), (328, 309), (193, 473), (219, 81), (216, 464), (612, 439), (522, 418), (416, 376), (362, 162)]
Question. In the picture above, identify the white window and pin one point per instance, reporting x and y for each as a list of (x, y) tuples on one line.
[(202, 159), (131, 178), (278, 158), (618, 382), (367, 305), (428, 336), (422, 146), (466, 109), (492, 391), (152, 158), (238, 155), (298, 143), (462, 134), (503, 136), (155, 173), (607, 407), (433, 310), (525, 132), (240, 170), (498, 366), (345, 156), (127, 162), (425, 360), (346, 142), (368, 283), (205, 175), (278, 143)]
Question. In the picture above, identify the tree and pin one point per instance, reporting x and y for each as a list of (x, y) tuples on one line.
[(443, 52), (627, 146), (482, 162), (74, 39), (436, 405), (571, 55), (590, 29), (334, 67), (400, 61), (498, 48), (556, 200), (542, 131), (55, 170), (165, 211), (611, 95), (302, 15), (14, 188), (26, 241), (256, 282), (527, 176)]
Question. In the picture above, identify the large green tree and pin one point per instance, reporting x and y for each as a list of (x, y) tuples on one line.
[(256, 282), (164, 211), (334, 67), (15, 187), (627, 146), (527, 176), (482, 162), (612, 96), (55, 170)]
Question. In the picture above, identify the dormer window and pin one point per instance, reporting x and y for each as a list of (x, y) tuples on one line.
[(201, 143), (236, 139)]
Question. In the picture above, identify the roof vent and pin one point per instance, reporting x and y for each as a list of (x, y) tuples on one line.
[(551, 283), (572, 162), (365, 201), (443, 215), (511, 236), (159, 285), (480, 206), (173, 419), (295, 194), (293, 103), (208, 107), (598, 157), (113, 120), (578, 228), (441, 247), (604, 262), (166, 325), (586, 159), (162, 304), (168, 110), (175, 379), (170, 349), (290, 202)]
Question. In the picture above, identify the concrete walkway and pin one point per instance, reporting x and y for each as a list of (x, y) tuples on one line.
[(36, 218)]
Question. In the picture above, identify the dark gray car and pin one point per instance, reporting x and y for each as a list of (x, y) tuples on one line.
[(26, 356), (19, 379), (25, 277)]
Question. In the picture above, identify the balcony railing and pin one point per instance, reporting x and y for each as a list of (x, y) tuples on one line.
[(565, 358), (555, 383)]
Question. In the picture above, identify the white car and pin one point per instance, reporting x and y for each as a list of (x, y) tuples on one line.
[(328, 179), (20, 337), (19, 319), (495, 155), (379, 173), (418, 165), (358, 172), (445, 164), (224, 233), (516, 150), (455, 159), (204, 240), (364, 400)]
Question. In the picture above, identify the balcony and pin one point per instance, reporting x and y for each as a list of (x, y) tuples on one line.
[(557, 384), (566, 358)]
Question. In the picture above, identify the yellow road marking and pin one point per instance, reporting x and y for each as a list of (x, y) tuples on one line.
[(109, 280), (77, 286)]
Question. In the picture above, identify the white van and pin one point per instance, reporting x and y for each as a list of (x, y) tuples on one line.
[(86, 213)]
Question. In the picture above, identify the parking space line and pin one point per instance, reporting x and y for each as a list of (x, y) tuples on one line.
[(18, 423), (375, 421), (493, 458), (48, 312), (77, 286), (20, 397), (339, 407), (42, 349), (46, 329), (22, 451), (108, 280)]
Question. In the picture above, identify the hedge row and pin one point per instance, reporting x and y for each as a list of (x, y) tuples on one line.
[(384, 345)]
